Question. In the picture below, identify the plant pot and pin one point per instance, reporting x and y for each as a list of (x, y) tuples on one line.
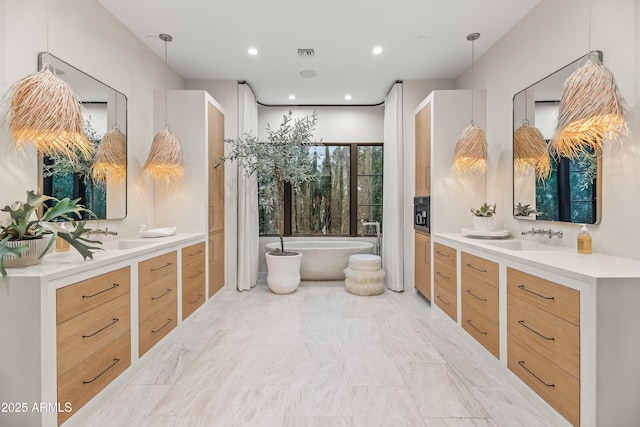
[(484, 223), (31, 256), (283, 272)]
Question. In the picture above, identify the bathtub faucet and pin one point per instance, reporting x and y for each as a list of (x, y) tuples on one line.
[(377, 224)]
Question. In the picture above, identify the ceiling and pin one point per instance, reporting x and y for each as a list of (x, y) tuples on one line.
[(420, 39)]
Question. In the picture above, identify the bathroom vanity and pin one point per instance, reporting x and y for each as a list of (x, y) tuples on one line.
[(561, 326), (75, 331)]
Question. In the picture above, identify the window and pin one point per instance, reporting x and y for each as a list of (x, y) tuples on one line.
[(348, 189)]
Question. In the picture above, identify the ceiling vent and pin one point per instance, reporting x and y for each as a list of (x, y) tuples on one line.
[(306, 53)]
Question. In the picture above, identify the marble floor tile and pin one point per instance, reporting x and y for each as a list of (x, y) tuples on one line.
[(360, 331), (318, 422), (384, 406), (262, 405), (319, 390), (166, 366), (459, 422), (471, 367), (369, 365), (507, 408), (176, 421)]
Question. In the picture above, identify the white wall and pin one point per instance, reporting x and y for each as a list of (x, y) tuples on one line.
[(88, 37), (551, 36)]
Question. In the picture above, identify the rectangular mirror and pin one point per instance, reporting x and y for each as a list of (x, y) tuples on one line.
[(103, 109), (572, 190)]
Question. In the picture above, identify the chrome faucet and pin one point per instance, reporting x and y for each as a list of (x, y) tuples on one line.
[(105, 232), (548, 232), (377, 224)]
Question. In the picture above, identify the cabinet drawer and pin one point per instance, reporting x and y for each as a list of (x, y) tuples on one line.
[(83, 335), (480, 296), (446, 301), (482, 329), (556, 339), (558, 388), (193, 276), (445, 276), (481, 268), (79, 384), (157, 326), (193, 253), (155, 295), (444, 253), (83, 296), (192, 299), (559, 300), (154, 268)]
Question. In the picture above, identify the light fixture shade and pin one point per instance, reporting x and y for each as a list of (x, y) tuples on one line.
[(110, 160), (165, 162), (45, 111), (471, 151), (591, 110), (530, 151)]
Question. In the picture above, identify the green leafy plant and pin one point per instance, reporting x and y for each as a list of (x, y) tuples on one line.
[(485, 210), (525, 210), (26, 224), (284, 156)]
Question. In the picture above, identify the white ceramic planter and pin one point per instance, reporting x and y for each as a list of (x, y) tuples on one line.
[(283, 272), (31, 256), (484, 223)]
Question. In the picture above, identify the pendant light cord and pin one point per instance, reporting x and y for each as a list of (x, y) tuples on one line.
[(166, 95), (473, 44)]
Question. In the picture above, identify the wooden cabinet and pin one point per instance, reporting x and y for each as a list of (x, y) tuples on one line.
[(422, 275), (423, 151), (216, 199), (157, 299), (543, 341), (193, 278), (216, 262), (93, 336), (479, 299), (445, 279)]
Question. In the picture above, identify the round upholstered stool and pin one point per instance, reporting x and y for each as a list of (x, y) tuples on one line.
[(365, 275)]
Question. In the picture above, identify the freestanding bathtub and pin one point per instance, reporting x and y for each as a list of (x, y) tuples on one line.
[(324, 260)]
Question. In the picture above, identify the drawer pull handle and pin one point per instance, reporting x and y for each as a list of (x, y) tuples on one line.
[(196, 275), (442, 254), (471, 324), (115, 362), (475, 296), (160, 296), (196, 253), (155, 331), (196, 300), (443, 301), (521, 363), (115, 285), (536, 294), (164, 266), (534, 331), (480, 270), (442, 275), (102, 329)]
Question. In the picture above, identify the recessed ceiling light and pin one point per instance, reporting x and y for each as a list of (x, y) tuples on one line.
[(252, 51), (307, 74), (347, 97), (377, 50), (292, 97)]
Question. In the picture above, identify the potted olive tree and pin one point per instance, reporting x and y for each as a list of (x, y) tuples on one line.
[(285, 158)]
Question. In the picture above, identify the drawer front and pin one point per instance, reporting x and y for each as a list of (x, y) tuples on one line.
[(157, 326), (446, 301), (79, 384), (193, 276), (192, 299), (154, 268), (480, 268), (83, 296), (445, 276), (216, 262), (480, 296), (482, 329), (193, 253), (556, 339), (154, 296), (83, 335), (556, 299), (444, 254), (559, 389)]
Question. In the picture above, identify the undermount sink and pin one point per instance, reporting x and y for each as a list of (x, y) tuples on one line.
[(521, 245), (124, 244)]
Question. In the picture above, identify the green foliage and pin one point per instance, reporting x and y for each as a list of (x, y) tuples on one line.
[(25, 224), (525, 210), (485, 210)]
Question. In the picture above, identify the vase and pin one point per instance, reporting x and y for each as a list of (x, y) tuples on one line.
[(33, 255), (283, 272), (484, 223)]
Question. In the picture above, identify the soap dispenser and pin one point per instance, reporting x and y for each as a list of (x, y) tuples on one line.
[(61, 244), (584, 240)]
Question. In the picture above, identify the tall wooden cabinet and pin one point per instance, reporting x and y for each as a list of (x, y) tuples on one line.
[(423, 151), (216, 199), (423, 264)]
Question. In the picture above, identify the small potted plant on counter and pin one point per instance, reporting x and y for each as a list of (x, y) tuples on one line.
[(28, 236), (484, 218)]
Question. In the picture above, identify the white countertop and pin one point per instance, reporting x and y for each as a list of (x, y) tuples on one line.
[(56, 265), (565, 261)]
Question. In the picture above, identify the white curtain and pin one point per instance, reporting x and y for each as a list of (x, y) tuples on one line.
[(393, 191), (248, 229)]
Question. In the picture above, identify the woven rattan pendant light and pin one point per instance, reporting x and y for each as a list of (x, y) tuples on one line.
[(591, 110), (165, 163), (530, 150), (43, 110), (471, 148), (110, 160)]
